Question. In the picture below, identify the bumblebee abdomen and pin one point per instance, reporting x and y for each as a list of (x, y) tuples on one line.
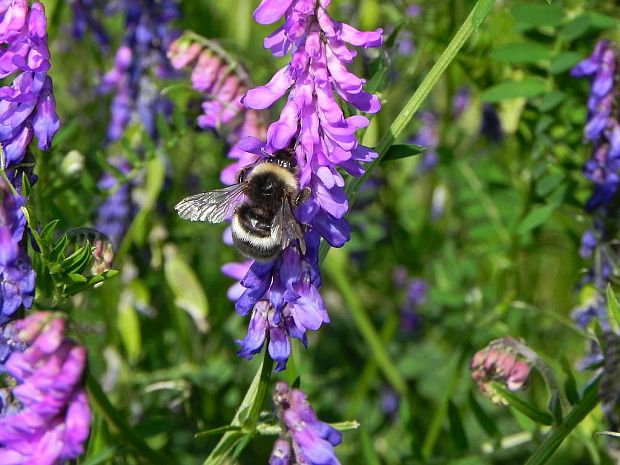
[(252, 232)]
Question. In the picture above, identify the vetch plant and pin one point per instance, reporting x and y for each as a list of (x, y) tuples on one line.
[(282, 296)]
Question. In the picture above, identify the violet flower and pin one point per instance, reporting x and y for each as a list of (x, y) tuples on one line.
[(86, 17), (311, 440), (603, 131), (223, 82), (141, 56), (114, 215), (428, 137), (282, 296), (27, 105), (461, 101), (50, 421), (17, 278)]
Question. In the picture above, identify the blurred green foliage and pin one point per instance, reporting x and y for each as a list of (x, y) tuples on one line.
[(500, 258)]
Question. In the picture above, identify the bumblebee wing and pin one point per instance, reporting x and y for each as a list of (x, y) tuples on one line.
[(286, 227), (213, 206)]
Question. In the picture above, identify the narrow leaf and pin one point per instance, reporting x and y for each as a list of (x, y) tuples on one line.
[(523, 52), (613, 308), (527, 409), (525, 88), (400, 151), (535, 218), (189, 293), (216, 431), (481, 11), (457, 430)]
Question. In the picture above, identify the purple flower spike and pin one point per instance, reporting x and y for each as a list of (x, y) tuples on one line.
[(16, 273), (140, 59), (27, 105), (283, 296), (51, 421), (116, 212), (311, 439), (602, 131)]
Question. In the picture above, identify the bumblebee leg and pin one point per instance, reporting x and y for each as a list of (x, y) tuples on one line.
[(243, 172), (303, 195)]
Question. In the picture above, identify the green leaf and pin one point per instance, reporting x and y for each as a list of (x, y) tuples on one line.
[(554, 407), (457, 430), (527, 409), (481, 11), (570, 385), (603, 21), (128, 325), (77, 278), (551, 100), (535, 218), (58, 250), (564, 61), (48, 231), (26, 186), (546, 184), (379, 79), (188, 292), (525, 52), (576, 28), (526, 88), (78, 260), (532, 15), (216, 431), (613, 308), (400, 151)]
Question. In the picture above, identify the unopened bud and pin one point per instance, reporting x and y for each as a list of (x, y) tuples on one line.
[(500, 362)]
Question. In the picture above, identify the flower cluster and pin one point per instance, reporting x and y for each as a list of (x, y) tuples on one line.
[(17, 278), (141, 56), (602, 130), (27, 105), (223, 82), (48, 421), (85, 18), (283, 295), (311, 440), (115, 213), (499, 361)]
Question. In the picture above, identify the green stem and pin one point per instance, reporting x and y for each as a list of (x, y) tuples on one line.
[(558, 433), (246, 417), (263, 385), (127, 434)]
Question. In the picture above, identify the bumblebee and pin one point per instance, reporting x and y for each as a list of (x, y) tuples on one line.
[(261, 206)]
